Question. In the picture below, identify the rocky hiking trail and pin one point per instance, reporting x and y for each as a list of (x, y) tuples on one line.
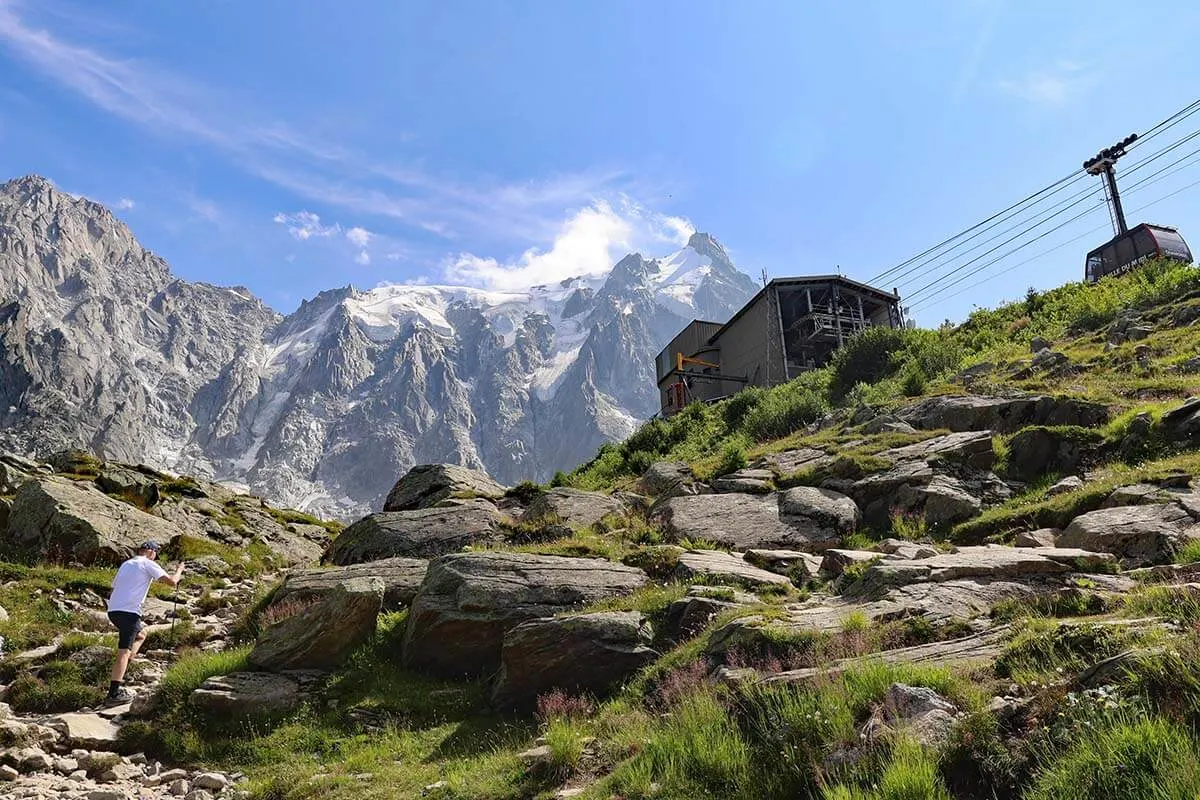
[(79, 754)]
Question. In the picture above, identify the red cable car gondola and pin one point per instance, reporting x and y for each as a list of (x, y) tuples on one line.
[(1136, 246)]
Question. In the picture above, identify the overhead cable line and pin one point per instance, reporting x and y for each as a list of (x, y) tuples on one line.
[(1155, 130), (1044, 217), (932, 299)]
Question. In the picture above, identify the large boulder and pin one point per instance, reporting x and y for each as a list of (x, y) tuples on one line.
[(59, 519), (1001, 414), (572, 506), (915, 487), (1182, 424), (793, 563), (323, 634), (14, 471), (136, 484), (824, 514), (743, 522), (468, 601), (90, 731), (422, 533), (427, 485), (987, 562), (1138, 535), (582, 653), (1037, 451), (401, 578), (943, 501), (717, 566), (667, 476), (973, 448)]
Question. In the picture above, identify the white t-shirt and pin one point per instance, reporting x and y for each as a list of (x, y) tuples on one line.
[(132, 584)]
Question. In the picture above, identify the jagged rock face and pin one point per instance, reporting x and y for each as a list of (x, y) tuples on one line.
[(101, 347)]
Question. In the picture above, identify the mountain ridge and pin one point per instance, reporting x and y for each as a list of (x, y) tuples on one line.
[(102, 346)]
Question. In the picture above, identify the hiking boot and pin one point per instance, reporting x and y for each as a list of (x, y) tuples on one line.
[(121, 697)]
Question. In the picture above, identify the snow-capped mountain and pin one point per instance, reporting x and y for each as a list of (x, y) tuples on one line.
[(100, 346)]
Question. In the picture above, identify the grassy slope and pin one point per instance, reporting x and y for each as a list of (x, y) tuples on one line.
[(379, 731)]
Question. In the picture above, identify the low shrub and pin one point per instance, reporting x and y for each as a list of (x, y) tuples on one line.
[(733, 456), (866, 358), (784, 409), (56, 686)]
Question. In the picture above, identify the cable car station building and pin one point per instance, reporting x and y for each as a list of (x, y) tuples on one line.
[(791, 326)]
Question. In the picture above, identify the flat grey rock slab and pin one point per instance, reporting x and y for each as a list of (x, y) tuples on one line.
[(726, 568)]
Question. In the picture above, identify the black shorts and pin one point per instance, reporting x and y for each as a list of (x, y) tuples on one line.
[(128, 626)]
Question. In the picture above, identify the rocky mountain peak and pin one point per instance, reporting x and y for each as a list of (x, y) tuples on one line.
[(321, 408), (706, 245)]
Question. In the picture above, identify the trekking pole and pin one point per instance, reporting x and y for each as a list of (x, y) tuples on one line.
[(174, 609)]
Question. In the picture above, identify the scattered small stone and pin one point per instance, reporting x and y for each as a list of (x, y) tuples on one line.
[(435, 787), (106, 794), (1040, 538), (7, 773), (535, 755), (178, 787), (211, 780), (32, 759), (198, 794)]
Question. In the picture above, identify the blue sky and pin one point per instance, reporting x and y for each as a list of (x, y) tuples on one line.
[(301, 145)]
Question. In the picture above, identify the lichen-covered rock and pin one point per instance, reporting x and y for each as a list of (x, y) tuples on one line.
[(742, 522), (825, 513), (1182, 424), (63, 520), (468, 601), (1043, 537), (573, 507), (1001, 414), (973, 448), (992, 562), (252, 694), (749, 481), (423, 533), (581, 653), (793, 563), (322, 635), (428, 485), (1038, 451), (942, 502), (662, 477), (1138, 535), (836, 561), (401, 578), (138, 483), (721, 567)]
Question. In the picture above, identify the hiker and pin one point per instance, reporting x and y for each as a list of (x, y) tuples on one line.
[(130, 587)]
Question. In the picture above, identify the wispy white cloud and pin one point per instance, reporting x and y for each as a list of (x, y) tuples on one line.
[(304, 225), (125, 204), (358, 236), (1054, 85), (149, 95), (363, 258), (588, 244)]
